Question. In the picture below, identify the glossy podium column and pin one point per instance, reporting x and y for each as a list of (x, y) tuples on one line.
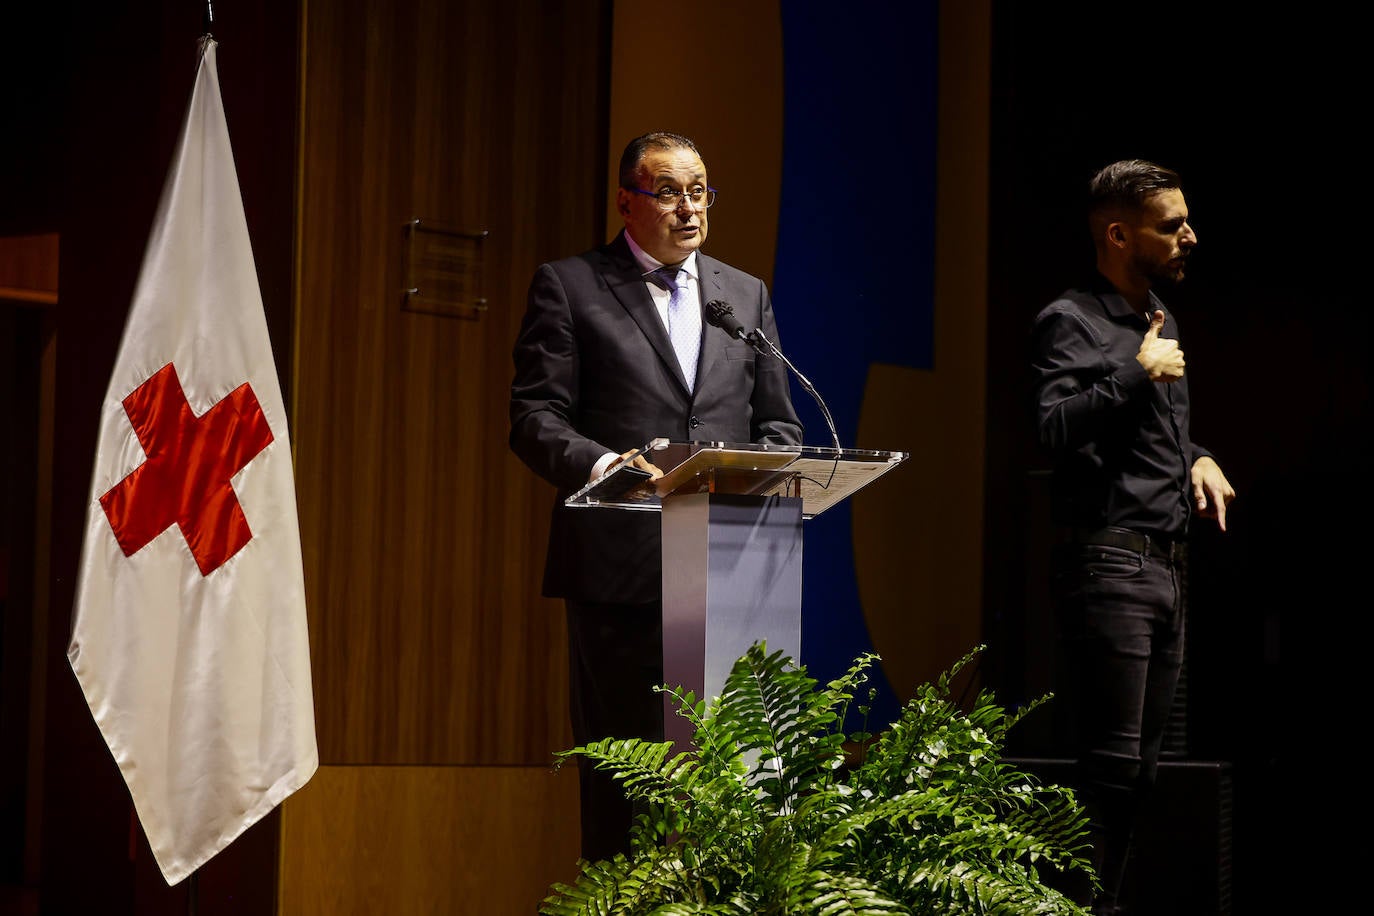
[(732, 575)]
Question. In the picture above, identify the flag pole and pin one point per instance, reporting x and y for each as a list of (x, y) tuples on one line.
[(193, 880)]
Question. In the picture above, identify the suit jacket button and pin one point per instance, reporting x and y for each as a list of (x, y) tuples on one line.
[(693, 423)]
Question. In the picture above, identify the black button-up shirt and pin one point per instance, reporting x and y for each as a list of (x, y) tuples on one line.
[(1121, 443)]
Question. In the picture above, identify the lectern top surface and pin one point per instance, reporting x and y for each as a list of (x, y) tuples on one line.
[(820, 476)]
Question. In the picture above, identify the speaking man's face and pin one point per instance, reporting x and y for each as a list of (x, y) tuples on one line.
[(667, 235)]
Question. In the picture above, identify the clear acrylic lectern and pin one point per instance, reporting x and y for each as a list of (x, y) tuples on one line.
[(732, 546)]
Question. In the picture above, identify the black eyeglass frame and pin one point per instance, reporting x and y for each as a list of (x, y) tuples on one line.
[(677, 198)]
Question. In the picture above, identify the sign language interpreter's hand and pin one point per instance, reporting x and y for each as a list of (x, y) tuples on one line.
[(1160, 356), (1212, 492)]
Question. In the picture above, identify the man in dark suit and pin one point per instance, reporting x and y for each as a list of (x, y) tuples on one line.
[(613, 353)]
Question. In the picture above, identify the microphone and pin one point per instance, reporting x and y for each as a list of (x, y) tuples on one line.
[(722, 316)]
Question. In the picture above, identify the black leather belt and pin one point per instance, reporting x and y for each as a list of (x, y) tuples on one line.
[(1167, 549)]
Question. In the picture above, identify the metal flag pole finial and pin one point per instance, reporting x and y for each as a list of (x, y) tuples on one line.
[(207, 36)]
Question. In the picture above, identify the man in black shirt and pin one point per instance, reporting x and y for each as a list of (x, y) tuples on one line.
[(1112, 405)]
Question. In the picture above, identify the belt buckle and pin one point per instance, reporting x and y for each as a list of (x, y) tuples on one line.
[(1170, 551), (1150, 547), (1153, 547)]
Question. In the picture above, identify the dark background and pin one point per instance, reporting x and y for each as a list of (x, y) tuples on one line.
[(1259, 115)]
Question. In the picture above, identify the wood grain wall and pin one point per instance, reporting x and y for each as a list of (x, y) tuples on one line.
[(439, 671), (423, 535), (420, 841)]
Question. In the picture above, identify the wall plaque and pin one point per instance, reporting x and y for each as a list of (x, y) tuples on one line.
[(444, 270)]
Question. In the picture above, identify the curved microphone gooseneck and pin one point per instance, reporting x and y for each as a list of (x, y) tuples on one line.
[(722, 316)]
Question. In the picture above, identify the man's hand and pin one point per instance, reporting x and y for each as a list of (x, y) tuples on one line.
[(1160, 357), (1212, 493), (640, 462)]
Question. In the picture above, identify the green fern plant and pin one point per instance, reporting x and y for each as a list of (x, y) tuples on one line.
[(775, 811)]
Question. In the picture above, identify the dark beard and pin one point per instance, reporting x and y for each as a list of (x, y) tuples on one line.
[(1163, 275)]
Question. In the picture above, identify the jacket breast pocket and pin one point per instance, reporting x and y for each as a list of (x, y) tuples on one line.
[(739, 351)]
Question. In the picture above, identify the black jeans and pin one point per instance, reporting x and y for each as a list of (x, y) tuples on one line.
[(1122, 621)]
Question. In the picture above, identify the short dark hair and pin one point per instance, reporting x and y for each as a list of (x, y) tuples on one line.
[(1124, 186), (636, 149)]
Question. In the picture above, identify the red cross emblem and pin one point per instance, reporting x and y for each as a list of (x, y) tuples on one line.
[(186, 477)]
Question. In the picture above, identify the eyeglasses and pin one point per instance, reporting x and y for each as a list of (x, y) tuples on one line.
[(670, 199)]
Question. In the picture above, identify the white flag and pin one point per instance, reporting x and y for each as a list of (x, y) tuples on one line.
[(189, 638)]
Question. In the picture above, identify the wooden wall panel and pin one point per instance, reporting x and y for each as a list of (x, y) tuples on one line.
[(423, 535), (28, 268), (735, 116), (426, 840)]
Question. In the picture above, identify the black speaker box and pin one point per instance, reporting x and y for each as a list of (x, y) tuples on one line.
[(1181, 857)]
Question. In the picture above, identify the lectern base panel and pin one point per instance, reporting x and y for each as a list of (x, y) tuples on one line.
[(732, 576)]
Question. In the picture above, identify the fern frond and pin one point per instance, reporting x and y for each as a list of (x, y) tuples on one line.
[(765, 816), (643, 767)]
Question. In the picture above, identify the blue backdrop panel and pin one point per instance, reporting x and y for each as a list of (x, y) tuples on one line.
[(854, 277)]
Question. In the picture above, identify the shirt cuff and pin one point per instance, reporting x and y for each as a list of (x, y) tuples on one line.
[(601, 464)]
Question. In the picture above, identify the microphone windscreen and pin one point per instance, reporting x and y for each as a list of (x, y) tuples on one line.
[(722, 316)]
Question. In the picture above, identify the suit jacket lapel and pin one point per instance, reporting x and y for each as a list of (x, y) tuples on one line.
[(713, 339), (626, 282)]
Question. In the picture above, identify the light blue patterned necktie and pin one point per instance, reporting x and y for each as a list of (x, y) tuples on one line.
[(684, 321)]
